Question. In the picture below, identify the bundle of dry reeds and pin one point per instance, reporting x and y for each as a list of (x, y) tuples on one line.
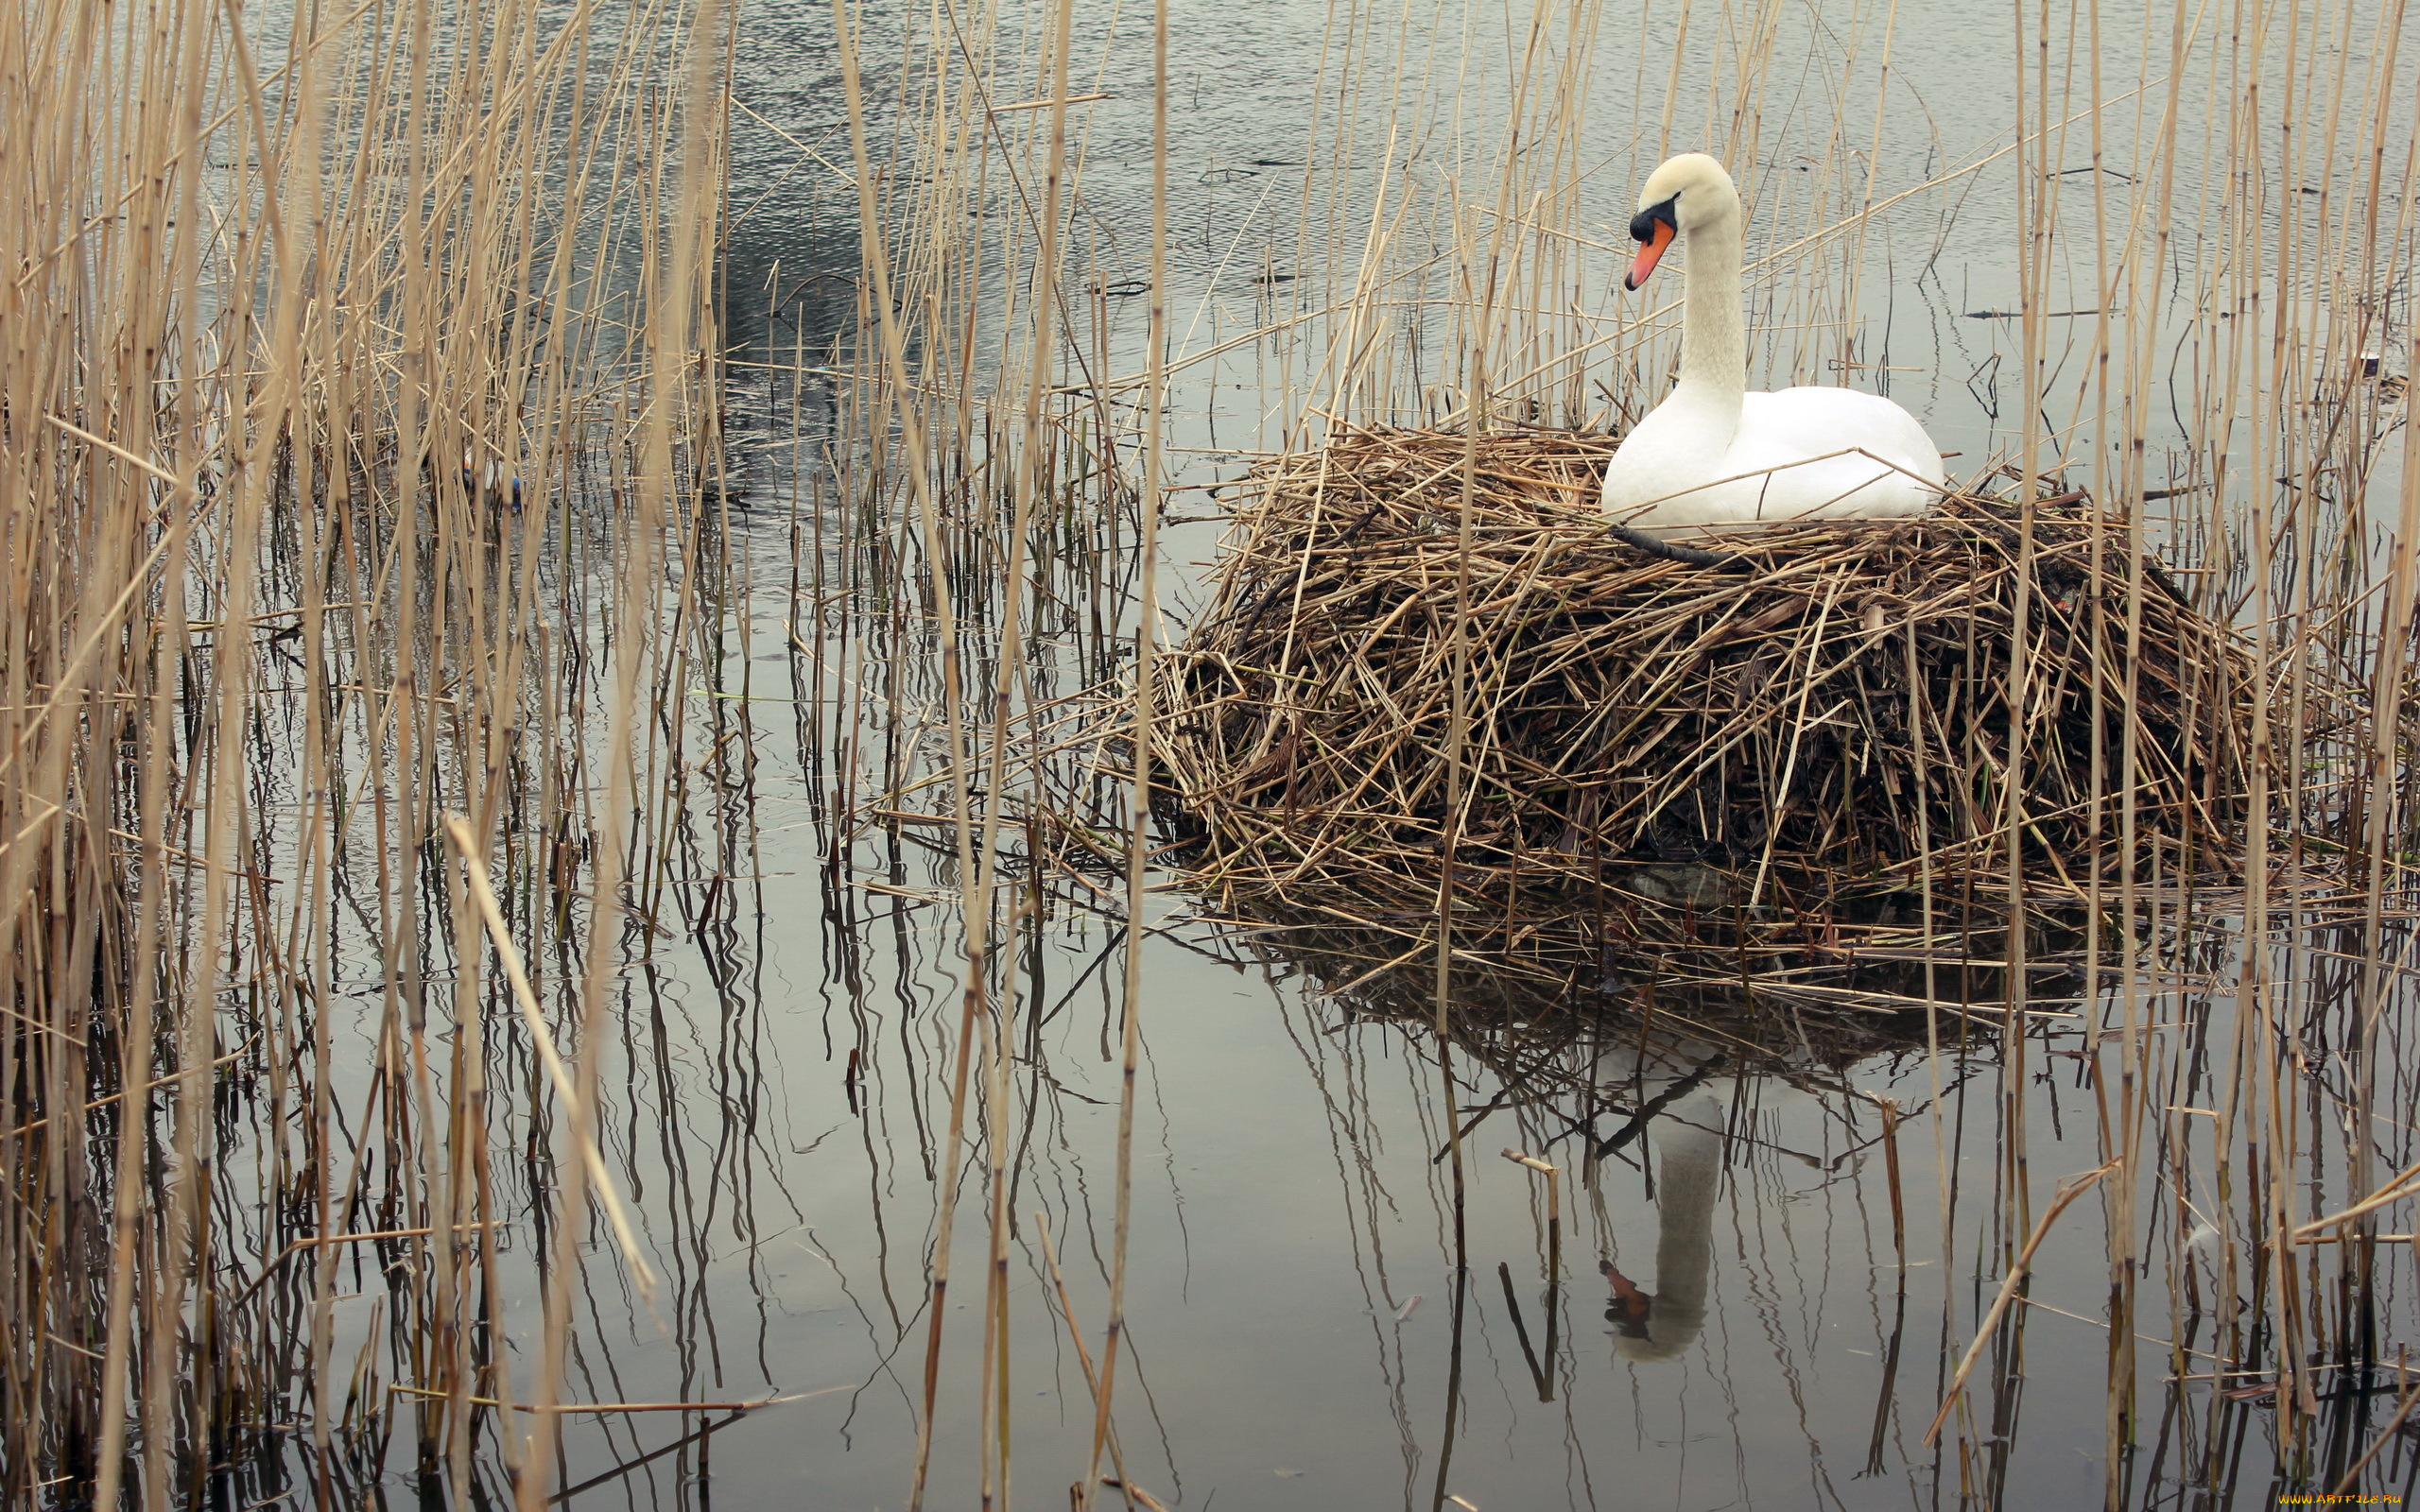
[(1831, 706)]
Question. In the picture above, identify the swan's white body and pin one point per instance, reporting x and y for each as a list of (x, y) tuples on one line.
[(1713, 453)]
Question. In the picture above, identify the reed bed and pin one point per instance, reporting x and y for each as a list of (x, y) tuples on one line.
[(1826, 716), (350, 394)]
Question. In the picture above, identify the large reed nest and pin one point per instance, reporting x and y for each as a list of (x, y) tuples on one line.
[(1828, 717)]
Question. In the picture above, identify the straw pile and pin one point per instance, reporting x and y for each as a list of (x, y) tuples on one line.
[(1828, 717)]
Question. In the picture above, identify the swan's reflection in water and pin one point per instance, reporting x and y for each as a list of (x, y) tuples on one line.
[(1662, 1324), (1669, 1080), (1652, 1085)]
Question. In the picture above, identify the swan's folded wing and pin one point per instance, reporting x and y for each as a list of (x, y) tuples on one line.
[(1868, 448)]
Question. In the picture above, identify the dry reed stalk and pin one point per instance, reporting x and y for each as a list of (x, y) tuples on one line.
[(2069, 1190), (1147, 632), (975, 905)]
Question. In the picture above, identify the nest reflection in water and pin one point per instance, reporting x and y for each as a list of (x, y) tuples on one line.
[(1590, 1056), (1521, 993)]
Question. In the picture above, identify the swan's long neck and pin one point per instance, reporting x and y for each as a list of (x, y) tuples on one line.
[(1686, 1198), (1714, 337)]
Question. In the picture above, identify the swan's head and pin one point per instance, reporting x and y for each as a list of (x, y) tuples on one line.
[(1686, 193)]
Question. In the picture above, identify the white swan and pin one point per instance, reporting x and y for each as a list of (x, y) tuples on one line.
[(1714, 454)]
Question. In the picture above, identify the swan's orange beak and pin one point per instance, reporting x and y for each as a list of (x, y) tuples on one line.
[(1650, 252)]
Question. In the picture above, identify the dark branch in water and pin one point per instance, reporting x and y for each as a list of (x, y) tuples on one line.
[(1671, 1094)]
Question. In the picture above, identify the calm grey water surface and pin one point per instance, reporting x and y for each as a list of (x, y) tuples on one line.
[(1292, 1292)]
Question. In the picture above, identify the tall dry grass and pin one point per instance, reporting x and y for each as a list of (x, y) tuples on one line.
[(354, 377)]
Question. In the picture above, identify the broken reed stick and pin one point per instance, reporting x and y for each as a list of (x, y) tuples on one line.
[(2395, 1188), (605, 1406), (1890, 1109), (2074, 1187), (151, 1085), (388, 1233), (1076, 1334), (542, 1035), (1150, 1503), (320, 1241), (1554, 1180)]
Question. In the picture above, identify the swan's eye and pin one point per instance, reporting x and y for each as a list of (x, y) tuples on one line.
[(1642, 226)]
